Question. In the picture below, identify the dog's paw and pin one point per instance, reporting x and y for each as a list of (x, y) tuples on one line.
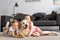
[(21, 35)]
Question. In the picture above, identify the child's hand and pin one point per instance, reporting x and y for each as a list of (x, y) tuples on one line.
[(16, 36), (36, 34), (27, 35), (21, 35)]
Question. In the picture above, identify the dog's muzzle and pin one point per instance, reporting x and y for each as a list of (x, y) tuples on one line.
[(25, 27)]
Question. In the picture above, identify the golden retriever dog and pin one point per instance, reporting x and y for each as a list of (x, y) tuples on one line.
[(23, 28)]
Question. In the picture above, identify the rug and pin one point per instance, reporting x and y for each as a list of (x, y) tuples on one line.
[(46, 37)]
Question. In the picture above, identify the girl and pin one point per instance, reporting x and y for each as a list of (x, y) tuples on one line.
[(13, 30), (35, 31), (8, 24)]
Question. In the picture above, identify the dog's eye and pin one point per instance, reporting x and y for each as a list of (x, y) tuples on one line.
[(23, 22)]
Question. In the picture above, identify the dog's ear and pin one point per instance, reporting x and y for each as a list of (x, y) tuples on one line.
[(19, 27)]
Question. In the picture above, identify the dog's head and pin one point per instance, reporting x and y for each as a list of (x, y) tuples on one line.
[(24, 24)]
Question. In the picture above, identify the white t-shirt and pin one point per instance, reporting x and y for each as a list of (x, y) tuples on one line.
[(12, 30)]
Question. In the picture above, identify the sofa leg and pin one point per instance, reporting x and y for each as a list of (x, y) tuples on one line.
[(59, 27)]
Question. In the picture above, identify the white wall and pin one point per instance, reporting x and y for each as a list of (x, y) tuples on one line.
[(33, 7), (6, 6)]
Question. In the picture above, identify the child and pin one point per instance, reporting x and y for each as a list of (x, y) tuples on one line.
[(13, 30), (8, 24), (35, 31)]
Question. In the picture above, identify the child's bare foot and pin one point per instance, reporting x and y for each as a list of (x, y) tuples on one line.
[(27, 35), (53, 33), (36, 34), (5, 32)]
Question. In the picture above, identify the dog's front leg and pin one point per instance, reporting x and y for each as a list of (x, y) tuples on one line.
[(21, 35)]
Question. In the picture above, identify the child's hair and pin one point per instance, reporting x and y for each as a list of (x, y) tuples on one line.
[(27, 15), (14, 21)]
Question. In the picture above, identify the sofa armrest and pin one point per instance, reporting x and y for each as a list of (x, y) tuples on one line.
[(58, 19)]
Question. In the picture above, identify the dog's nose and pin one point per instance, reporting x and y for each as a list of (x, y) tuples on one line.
[(26, 25)]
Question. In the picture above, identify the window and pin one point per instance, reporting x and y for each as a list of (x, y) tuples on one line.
[(32, 0), (56, 2)]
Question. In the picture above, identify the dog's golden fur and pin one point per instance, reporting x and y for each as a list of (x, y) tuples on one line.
[(23, 30)]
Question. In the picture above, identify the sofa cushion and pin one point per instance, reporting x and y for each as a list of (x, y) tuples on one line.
[(33, 18), (39, 15), (53, 15), (19, 16), (44, 23)]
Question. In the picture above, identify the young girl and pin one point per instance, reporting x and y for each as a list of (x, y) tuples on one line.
[(8, 24), (35, 31), (13, 30)]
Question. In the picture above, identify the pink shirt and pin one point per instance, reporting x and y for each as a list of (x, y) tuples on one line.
[(32, 28)]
